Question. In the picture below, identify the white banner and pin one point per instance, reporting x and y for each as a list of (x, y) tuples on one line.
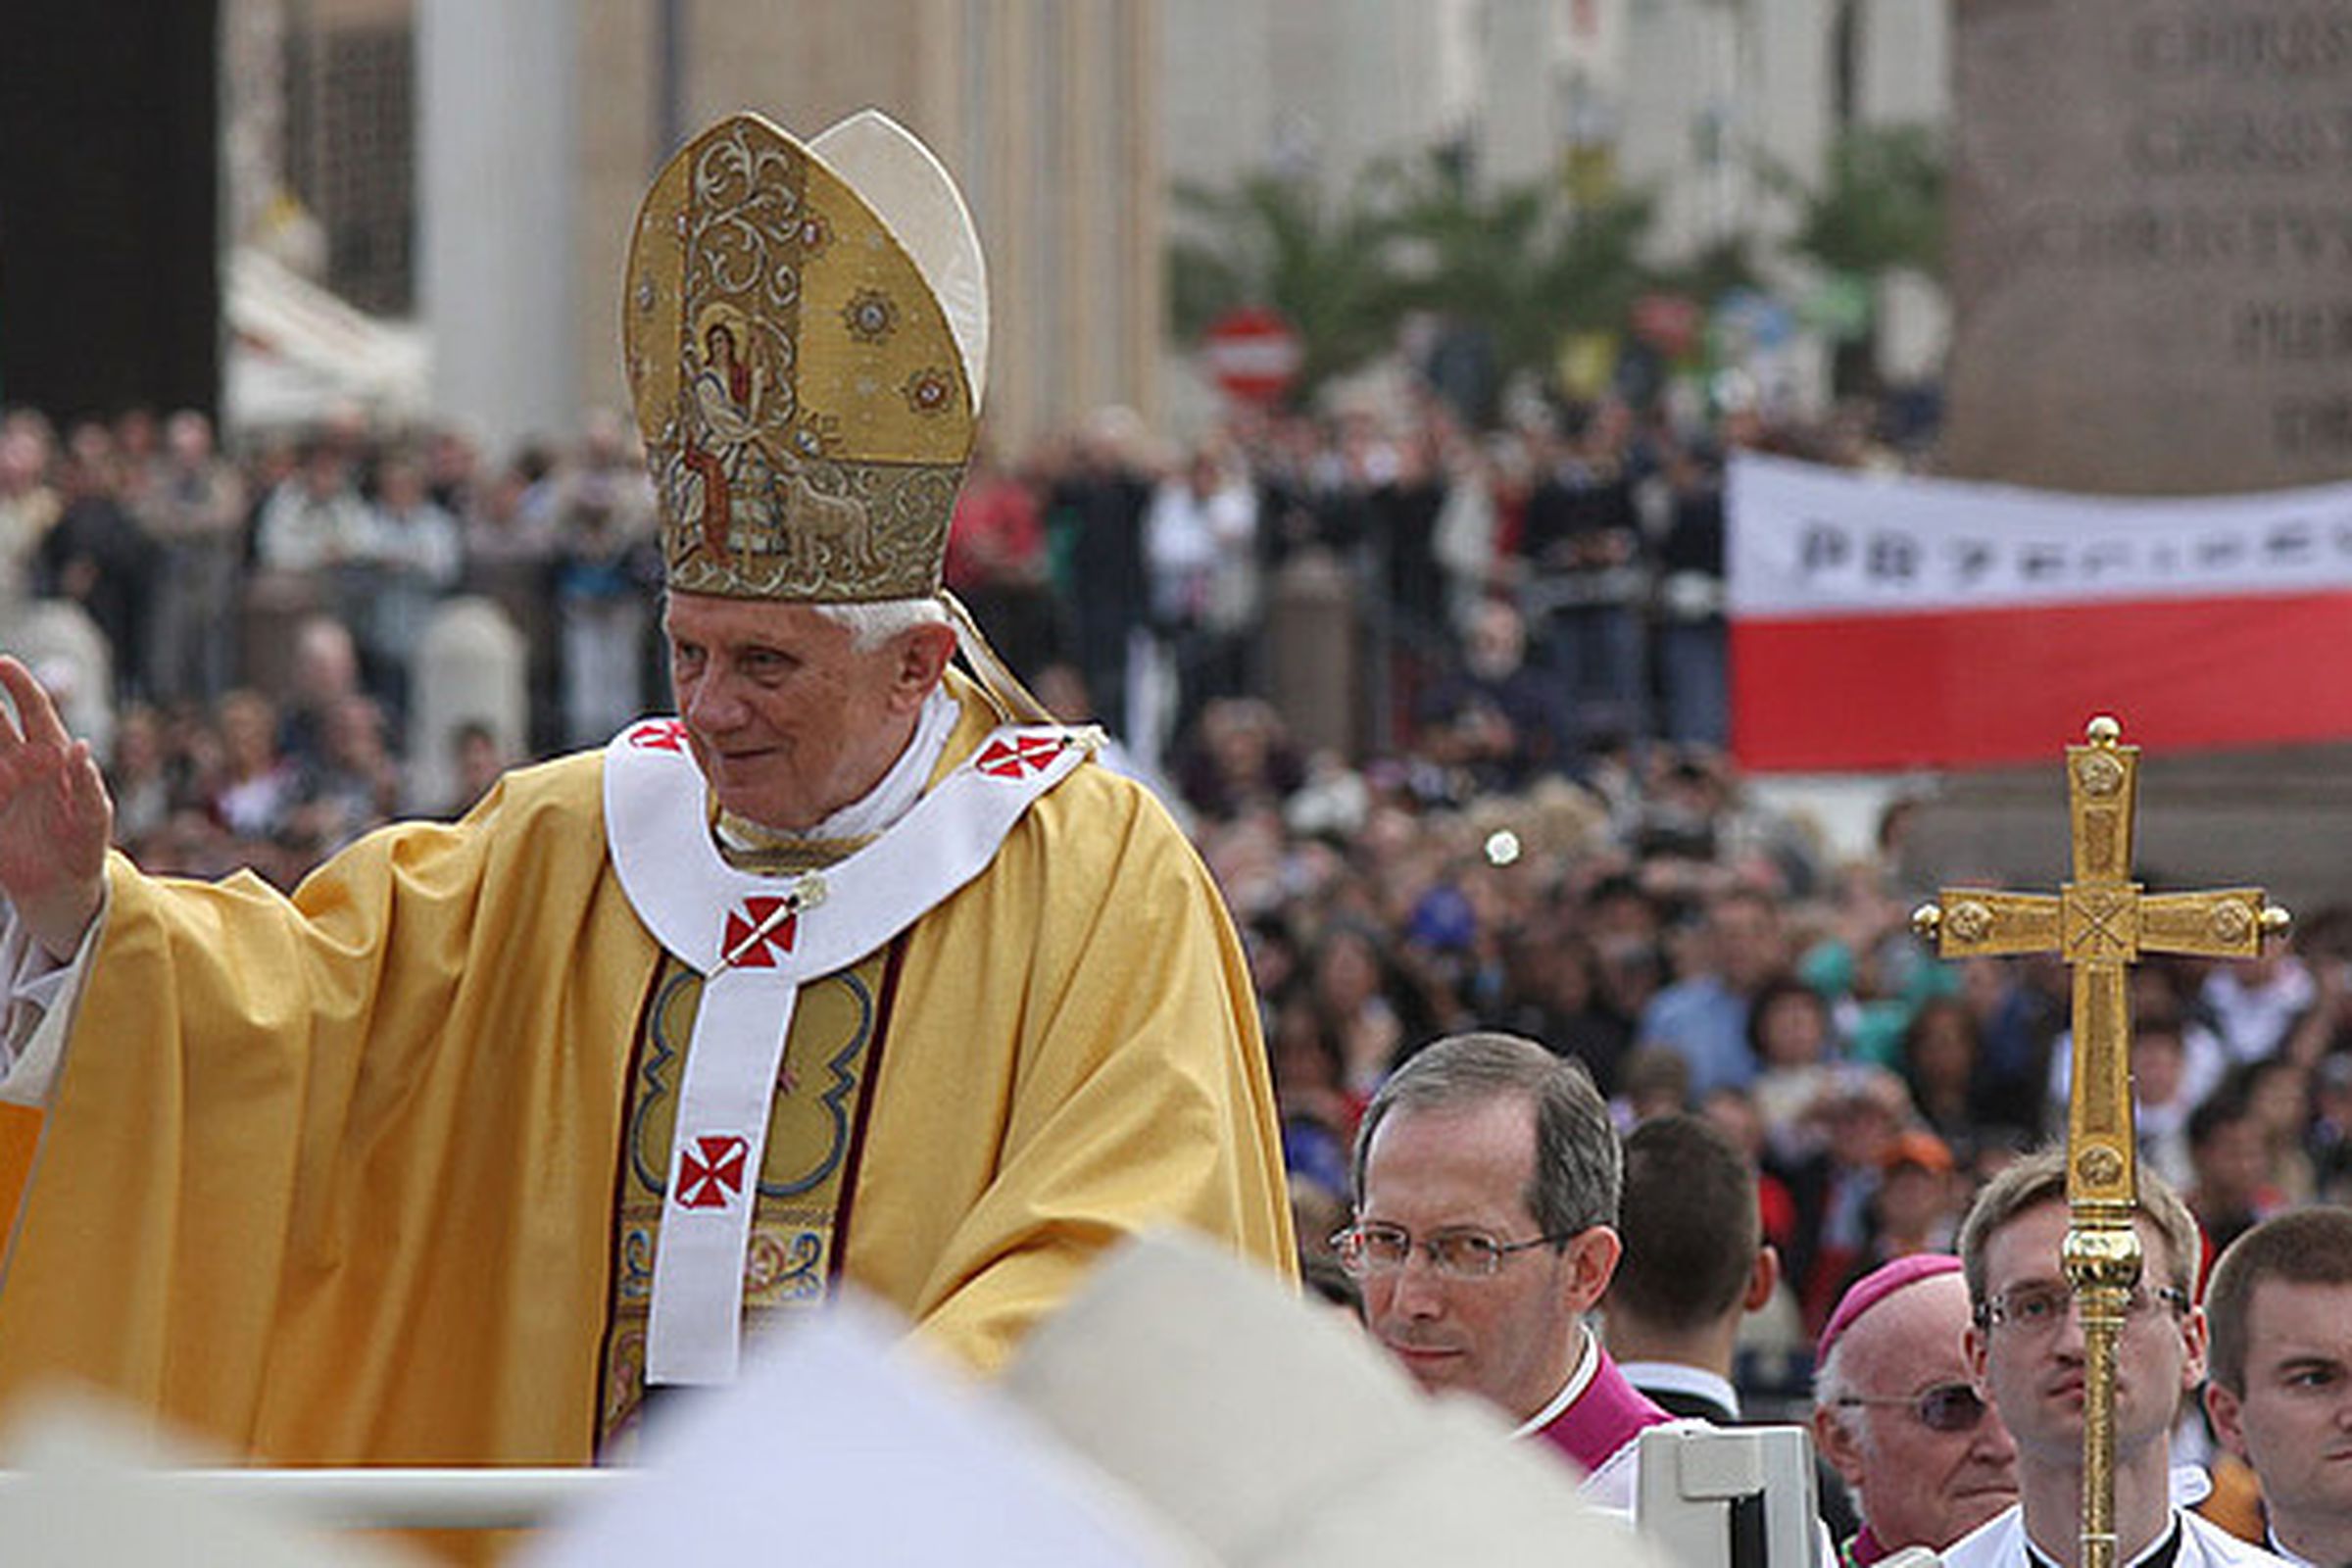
[(1805, 541)]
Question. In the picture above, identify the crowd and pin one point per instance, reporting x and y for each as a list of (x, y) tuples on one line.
[(1536, 830)]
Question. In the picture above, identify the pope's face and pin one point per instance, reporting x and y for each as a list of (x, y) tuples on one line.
[(787, 720), (2293, 1423), (2034, 1370)]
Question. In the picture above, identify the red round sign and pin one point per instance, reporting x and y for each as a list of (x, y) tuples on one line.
[(1253, 354)]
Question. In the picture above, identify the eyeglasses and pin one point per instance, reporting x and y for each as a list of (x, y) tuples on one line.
[(2038, 1308), (1946, 1407), (1366, 1251)]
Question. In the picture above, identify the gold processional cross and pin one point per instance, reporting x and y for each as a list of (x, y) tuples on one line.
[(2100, 923)]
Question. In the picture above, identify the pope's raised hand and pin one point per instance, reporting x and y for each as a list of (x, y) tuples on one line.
[(56, 817)]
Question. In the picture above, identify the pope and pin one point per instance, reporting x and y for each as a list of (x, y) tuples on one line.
[(858, 970)]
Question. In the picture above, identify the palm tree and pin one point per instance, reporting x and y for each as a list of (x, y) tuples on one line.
[(1522, 264), (1327, 267), (1879, 205), (1878, 209)]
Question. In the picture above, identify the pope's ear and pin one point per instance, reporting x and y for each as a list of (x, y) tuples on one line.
[(923, 655)]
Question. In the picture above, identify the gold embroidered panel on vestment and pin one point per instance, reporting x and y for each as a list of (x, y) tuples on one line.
[(804, 1174)]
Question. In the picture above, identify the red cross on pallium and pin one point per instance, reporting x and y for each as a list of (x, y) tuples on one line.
[(660, 735), (711, 1172), (741, 950), (1024, 754)]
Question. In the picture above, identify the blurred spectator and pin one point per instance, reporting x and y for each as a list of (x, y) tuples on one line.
[(195, 513), (1201, 558), (1311, 1097), (1591, 579), (1554, 995), (2161, 1102), (453, 472), (95, 556), (509, 558), (315, 523), (1692, 640), (2280, 1092), (1466, 538), (1238, 755), (2229, 1151), (1943, 1062), (137, 775), (996, 563), (325, 670), (475, 764), (2158, 995), (1919, 1201), (2330, 1138), (1406, 514), (606, 565), (416, 552), (2255, 1002), (1834, 1174), (1492, 723), (1867, 961), (2018, 1007), (1651, 1081), (27, 508), (1790, 1036), (1100, 503), (1363, 997), (1704, 1015), (352, 786), (258, 786)]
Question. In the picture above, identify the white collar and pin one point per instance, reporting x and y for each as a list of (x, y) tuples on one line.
[(2176, 1524), (2279, 1548), (1588, 1362), (1680, 1377), (889, 800)]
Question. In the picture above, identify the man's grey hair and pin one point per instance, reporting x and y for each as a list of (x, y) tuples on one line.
[(870, 626), (1579, 1169), (1833, 1379)]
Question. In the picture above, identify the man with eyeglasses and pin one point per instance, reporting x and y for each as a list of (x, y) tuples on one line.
[(1486, 1179), (2025, 1344), (2279, 1305), (1894, 1412)]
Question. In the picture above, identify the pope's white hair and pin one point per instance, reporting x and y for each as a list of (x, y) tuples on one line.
[(870, 626)]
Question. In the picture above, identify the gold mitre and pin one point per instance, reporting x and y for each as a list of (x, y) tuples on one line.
[(807, 375)]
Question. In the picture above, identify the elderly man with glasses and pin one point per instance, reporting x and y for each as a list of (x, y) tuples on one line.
[(2024, 1346), (1894, 1412), (1486, 1179)]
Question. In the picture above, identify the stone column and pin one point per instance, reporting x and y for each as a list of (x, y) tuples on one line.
[(497, 135)]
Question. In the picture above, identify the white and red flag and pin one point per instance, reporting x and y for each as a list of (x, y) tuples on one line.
[(1880, 623)]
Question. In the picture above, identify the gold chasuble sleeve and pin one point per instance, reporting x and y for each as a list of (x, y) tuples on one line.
[(1137, 1092), (316, 1174), (333, 1178)]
